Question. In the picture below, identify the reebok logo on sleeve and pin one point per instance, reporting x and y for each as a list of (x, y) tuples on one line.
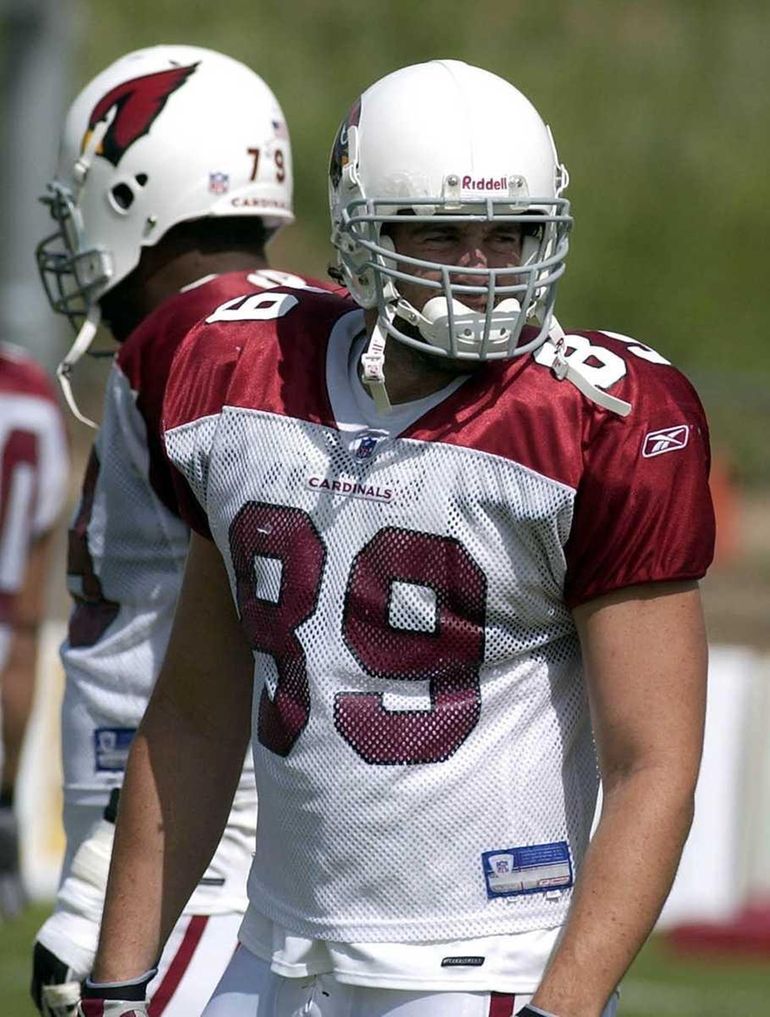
[(668, 439)]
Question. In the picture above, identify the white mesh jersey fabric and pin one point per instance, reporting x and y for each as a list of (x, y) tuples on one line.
[(130, 568), (137, 548), (423, 701), (127, 549)]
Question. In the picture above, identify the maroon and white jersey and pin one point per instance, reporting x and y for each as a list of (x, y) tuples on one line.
[(33, 481), (127, 546), (422, 742), (127, 549)]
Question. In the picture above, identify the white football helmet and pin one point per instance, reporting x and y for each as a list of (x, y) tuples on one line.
[(443, 141), (162, 136)]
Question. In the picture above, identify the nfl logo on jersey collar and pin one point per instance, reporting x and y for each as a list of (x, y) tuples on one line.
[(364, 446)]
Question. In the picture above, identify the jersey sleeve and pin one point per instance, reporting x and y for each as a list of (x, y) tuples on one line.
[(197, 387), (643, 510)]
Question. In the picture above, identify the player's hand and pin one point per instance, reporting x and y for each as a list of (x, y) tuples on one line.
[(55, 987), (116, 999), (534, 1011)]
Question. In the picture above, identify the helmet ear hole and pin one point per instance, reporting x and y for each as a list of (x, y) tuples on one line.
[(122, 197), (141, 179)]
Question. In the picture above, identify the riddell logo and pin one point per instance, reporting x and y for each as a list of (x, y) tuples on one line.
[(484, 183), (669, 439)]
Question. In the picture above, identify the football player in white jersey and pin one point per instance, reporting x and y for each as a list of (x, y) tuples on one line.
[(34, 455), (448, 545), (175, 170)]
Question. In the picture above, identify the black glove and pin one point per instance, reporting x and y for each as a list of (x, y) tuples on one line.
[(534, 1011), (55, 987)]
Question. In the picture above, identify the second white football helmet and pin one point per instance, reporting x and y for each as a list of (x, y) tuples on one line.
[(162, 136), (444, 141)]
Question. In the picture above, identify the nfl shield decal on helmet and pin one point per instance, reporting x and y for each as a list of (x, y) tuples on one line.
[(219, 183)]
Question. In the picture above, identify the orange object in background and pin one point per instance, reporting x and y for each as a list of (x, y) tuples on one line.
[(727, 509)]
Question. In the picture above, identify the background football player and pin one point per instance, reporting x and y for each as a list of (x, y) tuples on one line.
[(33, 484), (174, 172), (452, 577)]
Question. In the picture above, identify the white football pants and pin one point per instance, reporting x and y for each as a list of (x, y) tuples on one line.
[(196, 953), (250, 989)]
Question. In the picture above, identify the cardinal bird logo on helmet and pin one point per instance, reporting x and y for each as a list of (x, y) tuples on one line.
[(137, 104), (340, 155)]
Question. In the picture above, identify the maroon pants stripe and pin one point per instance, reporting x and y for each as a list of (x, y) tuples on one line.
[(178, 966), (501, 1004)]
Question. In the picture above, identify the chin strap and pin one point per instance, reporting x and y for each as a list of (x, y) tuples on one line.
[(562, 369), (373, 371), (373, 366), (83, 340), (85, 336)]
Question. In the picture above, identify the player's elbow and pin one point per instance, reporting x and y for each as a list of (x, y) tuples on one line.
[(665, 788)]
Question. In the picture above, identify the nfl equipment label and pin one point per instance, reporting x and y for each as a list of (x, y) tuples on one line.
[(537, 868), (111, 745)]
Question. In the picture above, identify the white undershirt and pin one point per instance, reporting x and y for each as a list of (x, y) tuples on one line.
[(354, 409)]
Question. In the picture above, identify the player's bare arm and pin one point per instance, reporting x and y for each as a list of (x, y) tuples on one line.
[(182, 772), (645, 658)]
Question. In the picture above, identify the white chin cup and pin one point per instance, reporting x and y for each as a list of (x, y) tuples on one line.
[(469, 325)]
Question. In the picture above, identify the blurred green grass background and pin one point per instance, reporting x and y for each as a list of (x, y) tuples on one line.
[(660, 109)]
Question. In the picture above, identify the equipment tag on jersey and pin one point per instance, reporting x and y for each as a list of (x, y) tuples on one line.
[(537, 868), (111, 745)]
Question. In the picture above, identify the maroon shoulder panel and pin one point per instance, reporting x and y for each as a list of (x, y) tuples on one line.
[(260, 363), (643, 510), (517, 410), (146, 356)]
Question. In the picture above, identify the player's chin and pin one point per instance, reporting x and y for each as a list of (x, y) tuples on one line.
[(451, 366)]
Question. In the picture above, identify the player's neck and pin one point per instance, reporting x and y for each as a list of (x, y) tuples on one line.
[(411, 374), (170, 277), (157, 279)]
